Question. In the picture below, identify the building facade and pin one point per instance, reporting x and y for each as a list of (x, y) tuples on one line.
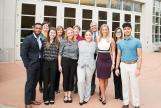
[(18, 16)]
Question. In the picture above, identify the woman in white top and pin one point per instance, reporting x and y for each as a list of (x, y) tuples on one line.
[(105, 59), (86, 67)]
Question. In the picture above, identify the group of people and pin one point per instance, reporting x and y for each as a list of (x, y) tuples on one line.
[(50, 51)]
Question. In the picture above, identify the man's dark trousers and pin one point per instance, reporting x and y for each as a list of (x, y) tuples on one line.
[(33, 73)]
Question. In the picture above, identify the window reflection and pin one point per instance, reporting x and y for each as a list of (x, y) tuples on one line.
[(137, 19), (100, 23), (27, 21), (116, 16), (127, 5), (52, 0), (70, 1), (86, 20), (69, 17), (69, 23), (102, 15), (28, 9), (69, 12), (102, 3), (87, 2), (127, 18), (87, 14), (52, 21), (115, 25), (50, 11), (137, 7), (137, 27), (116, 4)]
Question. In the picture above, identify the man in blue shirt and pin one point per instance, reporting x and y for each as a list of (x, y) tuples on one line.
[(130, 55)]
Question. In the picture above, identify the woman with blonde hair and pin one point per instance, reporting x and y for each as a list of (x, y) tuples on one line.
[(105, 59), (68, 55)]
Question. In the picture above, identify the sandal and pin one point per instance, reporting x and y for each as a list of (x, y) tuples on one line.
[(100, 99), (70, 99), (65, 99), (104, 102)]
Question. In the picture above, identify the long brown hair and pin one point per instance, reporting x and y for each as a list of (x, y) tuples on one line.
[(66, 37), (101, 34), (114, 34), (60, 28), (56, 42)]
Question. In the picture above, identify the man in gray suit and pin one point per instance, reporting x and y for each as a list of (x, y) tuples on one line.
[(93, 29)]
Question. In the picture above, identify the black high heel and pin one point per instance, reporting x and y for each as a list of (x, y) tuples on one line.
[(65, 99), (104, 102), (100, 99), (70, 100)]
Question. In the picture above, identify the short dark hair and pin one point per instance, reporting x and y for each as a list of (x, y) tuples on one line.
[(37, 24), (126, 25)]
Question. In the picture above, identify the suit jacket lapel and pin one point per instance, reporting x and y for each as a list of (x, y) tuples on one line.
[(35, 42)]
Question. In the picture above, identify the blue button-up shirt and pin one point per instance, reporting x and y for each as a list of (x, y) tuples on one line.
[(128, 47), (39, 43)]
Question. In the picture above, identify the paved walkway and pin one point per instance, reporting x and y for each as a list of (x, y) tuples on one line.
[(12, 80)]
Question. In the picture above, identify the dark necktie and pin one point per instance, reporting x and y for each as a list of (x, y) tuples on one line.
[(94, 34)]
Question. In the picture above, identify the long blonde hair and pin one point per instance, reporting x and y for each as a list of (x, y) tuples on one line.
[(66, 37), (101, 34)]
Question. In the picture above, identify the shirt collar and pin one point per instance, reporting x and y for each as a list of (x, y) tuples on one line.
[(128, 38), (36, 36)]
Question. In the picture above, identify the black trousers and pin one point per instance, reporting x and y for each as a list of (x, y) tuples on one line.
[(57, 79), (49, 75), (69, 67), (41, 73), (93, 85), (118, 86), (33, 73), (75, 81)]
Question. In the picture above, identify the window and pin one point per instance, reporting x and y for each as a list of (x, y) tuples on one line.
[(52, 0), (127, 5), (137, 26), (127, 18), (137, 7), (102, 18), (70, 1), (116, 4), (27, 19), (87, 2), (156, 27), (102, 3), (50, 13), (115, 21), (69, 17), (86, 20)]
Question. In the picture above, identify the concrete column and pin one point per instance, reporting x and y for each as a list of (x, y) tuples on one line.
[(7, 30), (146, 26)]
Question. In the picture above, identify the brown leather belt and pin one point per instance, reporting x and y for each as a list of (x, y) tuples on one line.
[(129, 62)]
